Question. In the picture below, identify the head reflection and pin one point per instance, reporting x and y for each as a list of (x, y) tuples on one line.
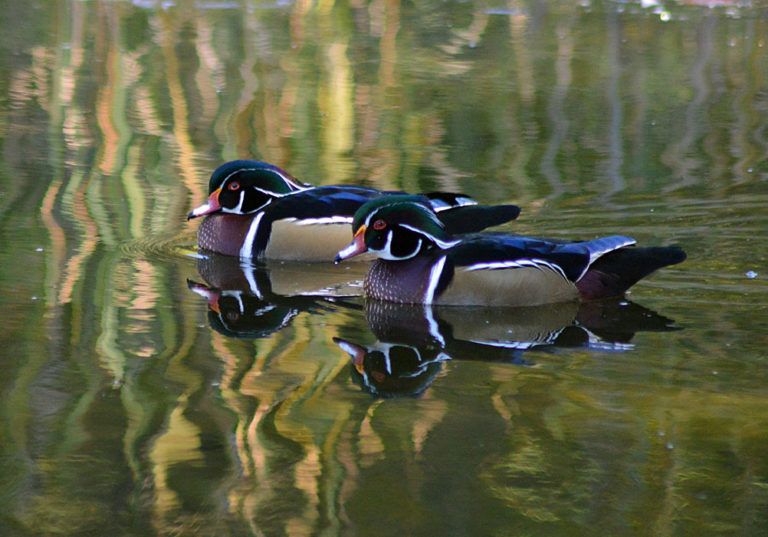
[(252, 301), (390, 370)]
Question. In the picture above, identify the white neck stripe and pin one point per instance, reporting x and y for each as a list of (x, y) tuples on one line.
[(246, 251), (434, 278), (434, 329), (252, 285)]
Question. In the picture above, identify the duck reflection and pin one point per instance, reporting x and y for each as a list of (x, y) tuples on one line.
[(413, 341), (253, 301)]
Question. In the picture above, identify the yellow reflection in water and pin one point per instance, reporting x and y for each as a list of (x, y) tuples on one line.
[(114, 122)]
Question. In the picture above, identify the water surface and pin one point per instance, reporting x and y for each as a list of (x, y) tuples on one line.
[(149, 391)]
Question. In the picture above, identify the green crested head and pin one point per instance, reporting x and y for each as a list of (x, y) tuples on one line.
[(244, 187), (254, 173), (407, 209), (396, 227)]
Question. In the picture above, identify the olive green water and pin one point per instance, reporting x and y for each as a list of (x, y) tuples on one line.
[(139, 397)]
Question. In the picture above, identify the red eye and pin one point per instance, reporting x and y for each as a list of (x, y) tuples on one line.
[(379, 224), (234, 185)]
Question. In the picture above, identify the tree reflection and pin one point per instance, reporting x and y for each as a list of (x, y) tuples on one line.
[(124, 413)]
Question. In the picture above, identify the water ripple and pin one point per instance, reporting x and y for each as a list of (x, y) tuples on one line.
[(161, 246)]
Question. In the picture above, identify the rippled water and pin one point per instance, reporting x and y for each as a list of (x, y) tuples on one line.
[(148, 390)]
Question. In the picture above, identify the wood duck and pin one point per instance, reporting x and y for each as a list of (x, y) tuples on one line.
[(257, 211), (420, 261)]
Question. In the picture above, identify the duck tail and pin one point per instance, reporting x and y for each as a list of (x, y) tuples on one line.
[(615, 272), (476, 218)]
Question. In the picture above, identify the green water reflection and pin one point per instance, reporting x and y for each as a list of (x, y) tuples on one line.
[(130, 406)]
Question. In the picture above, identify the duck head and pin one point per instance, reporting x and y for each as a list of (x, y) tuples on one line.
[(396, 228), (244, 187)]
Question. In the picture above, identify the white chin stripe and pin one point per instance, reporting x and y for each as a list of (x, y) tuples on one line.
[(386, 252), (238, 209)]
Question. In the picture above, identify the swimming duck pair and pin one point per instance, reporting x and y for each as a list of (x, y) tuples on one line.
[(428, 247)]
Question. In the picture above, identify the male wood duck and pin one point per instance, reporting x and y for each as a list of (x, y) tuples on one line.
[(420, 261), (257, 211)]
